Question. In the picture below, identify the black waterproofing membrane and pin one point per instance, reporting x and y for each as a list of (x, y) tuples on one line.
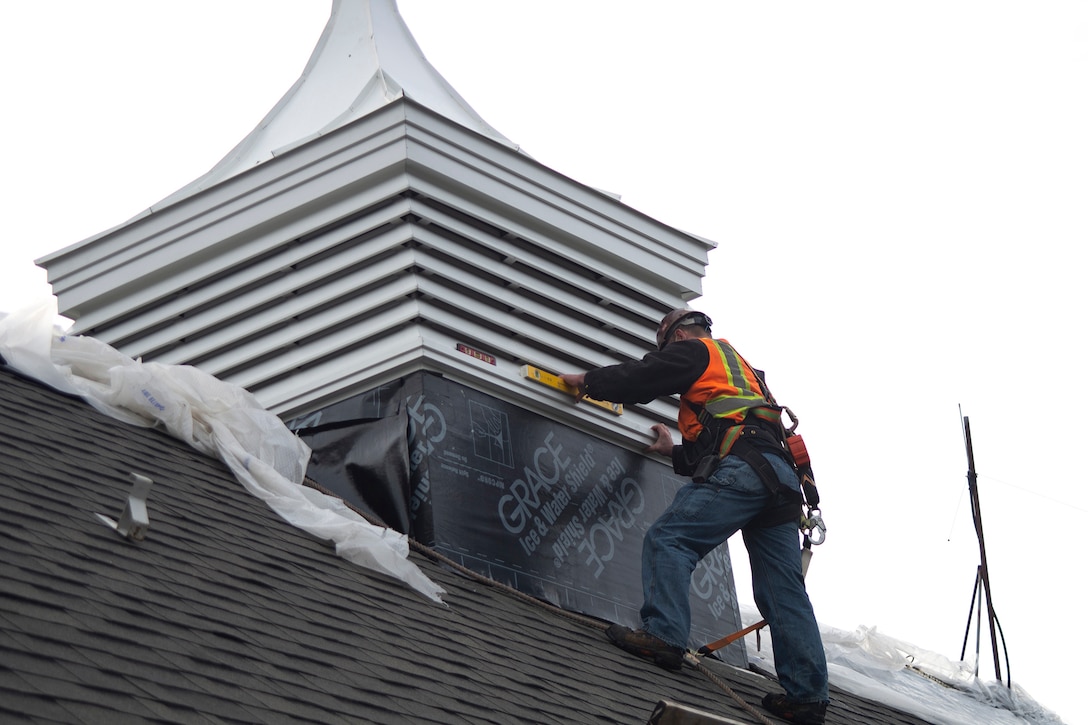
[(549, 510)]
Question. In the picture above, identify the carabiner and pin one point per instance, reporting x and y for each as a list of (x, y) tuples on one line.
[(814, 527), (793, 419)]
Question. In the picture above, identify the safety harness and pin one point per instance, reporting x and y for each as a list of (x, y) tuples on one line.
[(761, 430)]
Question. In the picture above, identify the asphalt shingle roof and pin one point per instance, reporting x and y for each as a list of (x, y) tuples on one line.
[(227, 614)]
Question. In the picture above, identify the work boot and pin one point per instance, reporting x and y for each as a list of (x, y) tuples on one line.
[(804, 713), (647, 646)]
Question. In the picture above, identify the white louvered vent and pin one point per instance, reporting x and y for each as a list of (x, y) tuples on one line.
[(374, 251), (373, 225)]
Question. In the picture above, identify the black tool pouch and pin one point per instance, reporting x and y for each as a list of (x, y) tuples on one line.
[(705, 468), (701, 457)]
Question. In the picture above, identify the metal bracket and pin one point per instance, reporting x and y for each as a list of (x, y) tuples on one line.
[(134, 523)]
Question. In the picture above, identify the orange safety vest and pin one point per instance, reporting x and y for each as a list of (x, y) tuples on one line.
[(728, 388)]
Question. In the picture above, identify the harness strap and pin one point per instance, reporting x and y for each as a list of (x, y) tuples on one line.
[(748, 441), (784, 504)]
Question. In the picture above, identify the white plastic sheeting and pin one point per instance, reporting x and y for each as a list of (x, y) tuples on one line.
[(217, 418), (908, 678)]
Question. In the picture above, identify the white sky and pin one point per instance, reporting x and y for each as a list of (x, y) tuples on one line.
[(898, 191)]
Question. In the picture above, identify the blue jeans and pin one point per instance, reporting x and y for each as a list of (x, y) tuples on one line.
[(702, 516)]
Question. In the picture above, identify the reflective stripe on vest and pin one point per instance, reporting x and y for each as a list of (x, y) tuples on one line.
[(728, 388)]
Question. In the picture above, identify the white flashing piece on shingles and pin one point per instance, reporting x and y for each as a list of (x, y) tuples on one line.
[(366, 57), (216, 418), (134, 522)]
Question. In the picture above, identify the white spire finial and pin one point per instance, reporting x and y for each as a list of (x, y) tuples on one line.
[(365, 59)]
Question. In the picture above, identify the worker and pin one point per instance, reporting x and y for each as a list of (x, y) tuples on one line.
[(724, 404)]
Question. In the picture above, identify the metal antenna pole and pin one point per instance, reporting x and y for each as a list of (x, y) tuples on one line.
[(983, 571), (975, 589)]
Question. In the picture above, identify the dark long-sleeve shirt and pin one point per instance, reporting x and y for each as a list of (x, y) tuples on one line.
[(658, 374)]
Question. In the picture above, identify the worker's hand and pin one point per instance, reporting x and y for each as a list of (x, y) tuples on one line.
[(576, 381), (663, 444)]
